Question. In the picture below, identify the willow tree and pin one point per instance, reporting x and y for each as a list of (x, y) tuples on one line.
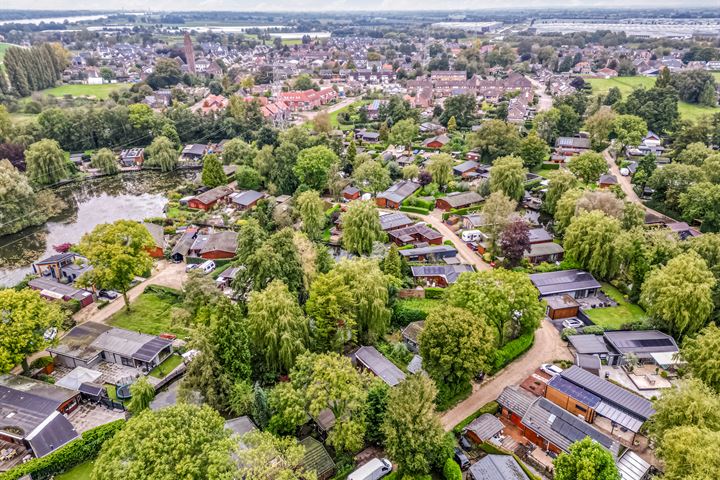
[(105, 161), (440, 168), (277, 326), (590, 241), (361, 227), (46, 162), (162, 154), (508, 175), (312, 213), (142, 393)]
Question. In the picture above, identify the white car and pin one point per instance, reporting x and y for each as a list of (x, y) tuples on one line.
[(572, 323), (551, 369), (50, 334)]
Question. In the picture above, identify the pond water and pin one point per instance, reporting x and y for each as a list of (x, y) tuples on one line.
[(131, 196)]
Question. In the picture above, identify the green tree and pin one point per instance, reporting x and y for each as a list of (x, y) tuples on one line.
[(118, 252), (533, 150), (248, 178), (497, 211), (410, 172), (142, 393), (241, 398), (494, 139), (312, 213), (304, 82), (414, 437), (672, 180), (506, 299), (440, 168), (455, 345), (586, 460), (372, 175), (462, 108), (404, 132), (181, 441), (277, 326), (238, 152), (628, 130), (689, 453), (105, 161), (691, 403), (266, 456), (588, 166), (694, 154), (702, 201), (508, 175), (212, 172), (205, 380), (162, 154), (679, 294), (313, 165), (565, 209), (589, 241), (560, 182), (375, 408), (452, 124), (392, 263), (26, 317), (46, 163), (361, 227), (600, 125)]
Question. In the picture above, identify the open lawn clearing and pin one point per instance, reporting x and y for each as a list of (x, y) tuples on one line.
[(333, 115), (167, 366), (81, 472), (613, 318), (425, 304), (98, 91), (688, 111), (152, 313)]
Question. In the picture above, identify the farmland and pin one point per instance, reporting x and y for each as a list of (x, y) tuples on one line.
[(97, 91)]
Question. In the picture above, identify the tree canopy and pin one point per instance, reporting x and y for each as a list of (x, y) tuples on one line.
[(361, 227), (508, 175), (587, 460)]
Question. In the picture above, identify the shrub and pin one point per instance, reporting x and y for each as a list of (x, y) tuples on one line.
[(71, 455), (566, 332), (551, 166), (594, 330), (491, 408), (512, 350), (419, 202), (41, 362), (449, 395), (402, 314), (434, 292), (421, 211), (451, 470)]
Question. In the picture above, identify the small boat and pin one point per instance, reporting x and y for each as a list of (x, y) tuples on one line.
[(62, 248)]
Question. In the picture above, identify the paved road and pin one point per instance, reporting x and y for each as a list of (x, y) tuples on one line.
[(435, 220), (547, 347), (627, 188), (545, 100), (303, 117)]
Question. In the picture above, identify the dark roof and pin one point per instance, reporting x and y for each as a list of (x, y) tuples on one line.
[(588, 344), (56, 258), (150, 350), (94, 389), (429, 250), (449, 272), (557, 302), (52, 434), (485, 426), (538, 235), (216, 242), (641, 341), (157, 232), (588, 362), (240, 425), (78, 342), (56, 288), (497, 467), (213, 195), (184, 243), (563, 281), (379, 365), (466, 166), (572, 142), (516, 399), (609, 392), (542, 249), (608, 179), (194, 149), (350, 190), (562, 428), (405, 234), (394, 220), (459, 200), (247, 198), (413, 330), (572, 390), (316, 458), (400, 191)]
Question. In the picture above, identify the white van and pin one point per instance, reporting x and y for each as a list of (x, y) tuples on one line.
[(207, 267), (372, 470), (472, 235)]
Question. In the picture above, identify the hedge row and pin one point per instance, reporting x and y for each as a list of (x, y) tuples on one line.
[(551, 166), (418, 202), (421, 211), (403, 315), (461, 211), (434, 292), (65, 458), (512, 350)]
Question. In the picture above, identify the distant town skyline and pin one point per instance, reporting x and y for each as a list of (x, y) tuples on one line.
[(344, 5)]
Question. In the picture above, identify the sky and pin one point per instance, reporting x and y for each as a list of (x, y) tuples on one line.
[(342, 5)]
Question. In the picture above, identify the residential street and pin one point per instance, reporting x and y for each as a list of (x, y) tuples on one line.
[(545, 101), (303, 117), (548, 346), (627, 188)]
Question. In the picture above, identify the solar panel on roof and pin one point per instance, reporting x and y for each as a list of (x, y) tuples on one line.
[(652, 342)]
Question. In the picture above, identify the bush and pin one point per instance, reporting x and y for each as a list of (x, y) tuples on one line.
[(71, 455), (512, 350), (491, 408), (594, 330), (449, 395), (434, 292), (451, 470), (551, 166), (163, 291), (402, 315), (41, 362), (418, 202), (421, 211), (566, 332)]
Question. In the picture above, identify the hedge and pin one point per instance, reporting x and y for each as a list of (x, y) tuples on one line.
[(512, 350), (418, 202), (65, 458), (403, 315), (451, 470), (550, 166), (490, 407), (421, 211), (434, 292)]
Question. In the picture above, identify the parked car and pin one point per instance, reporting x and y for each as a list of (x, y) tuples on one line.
[(551, 369), (108, 294), (372, 470), (50, 334), (461, 459), (191, 267), (465, 443), (572, 323)]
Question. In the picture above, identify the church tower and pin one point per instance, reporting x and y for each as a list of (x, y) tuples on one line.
[(189, 53)]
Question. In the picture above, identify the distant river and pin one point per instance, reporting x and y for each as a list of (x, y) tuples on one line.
[(78, 18), (132, 196)]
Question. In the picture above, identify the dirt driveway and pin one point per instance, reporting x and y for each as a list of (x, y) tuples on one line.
[(548, 346)]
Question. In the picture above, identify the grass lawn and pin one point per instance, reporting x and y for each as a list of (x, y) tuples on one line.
[(167, 366), (628, 84), (544, 172), (81, 472), (425, 304), (333, 116), (152, 314), (613, 318), (98, 91)]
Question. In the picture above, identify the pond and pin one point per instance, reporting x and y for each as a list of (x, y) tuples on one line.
[(130, 196)]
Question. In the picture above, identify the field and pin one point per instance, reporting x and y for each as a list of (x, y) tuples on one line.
[(81, 472), (3, 47), (98, 91), (153, 314), (628, 84), (612, 318)]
